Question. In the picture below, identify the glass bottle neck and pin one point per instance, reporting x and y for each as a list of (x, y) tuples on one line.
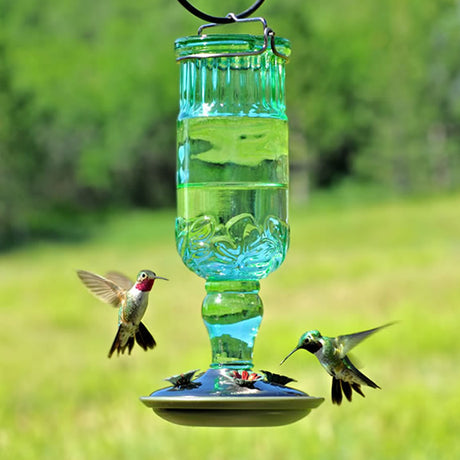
[(232, 312)]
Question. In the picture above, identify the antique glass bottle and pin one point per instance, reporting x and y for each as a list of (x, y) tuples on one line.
[(232, 180)]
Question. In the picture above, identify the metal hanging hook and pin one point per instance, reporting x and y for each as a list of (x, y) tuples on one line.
[(233, 18), (216, 19)]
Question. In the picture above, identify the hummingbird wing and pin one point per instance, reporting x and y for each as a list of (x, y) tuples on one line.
[(344, 343), (120, 279), (364, 380), (103, 288)]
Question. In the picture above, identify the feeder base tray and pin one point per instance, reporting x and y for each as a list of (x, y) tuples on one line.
[(217, 399)]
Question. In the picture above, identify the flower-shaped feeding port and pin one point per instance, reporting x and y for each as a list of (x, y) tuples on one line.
[(232, 224), (277, 379), (183, 381), (245, 379)]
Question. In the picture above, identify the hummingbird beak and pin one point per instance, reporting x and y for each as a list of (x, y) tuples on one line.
[(160, 278), (293, 351)]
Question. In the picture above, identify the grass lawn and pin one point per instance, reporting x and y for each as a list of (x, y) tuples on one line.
[(349, 268)]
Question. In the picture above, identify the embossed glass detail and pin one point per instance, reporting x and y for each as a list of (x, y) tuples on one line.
[(239, 249)]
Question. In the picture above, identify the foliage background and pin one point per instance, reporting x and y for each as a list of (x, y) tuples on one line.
[(88, 100)]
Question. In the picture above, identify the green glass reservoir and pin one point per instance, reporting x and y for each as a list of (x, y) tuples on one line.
[(232, 180)]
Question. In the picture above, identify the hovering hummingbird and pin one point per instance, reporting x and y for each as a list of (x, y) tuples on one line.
[(332, 354), (131, 299)]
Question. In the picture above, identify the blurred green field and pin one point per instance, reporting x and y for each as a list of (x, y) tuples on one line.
[(350, 267)]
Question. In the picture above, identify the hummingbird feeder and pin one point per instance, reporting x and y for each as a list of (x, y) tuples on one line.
[(232, 218)]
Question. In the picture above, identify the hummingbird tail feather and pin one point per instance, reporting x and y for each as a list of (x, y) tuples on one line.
[(336, 391), (357, 388), (347, 391), (339, 386), (129, 344), (144, 338), (116, 343)]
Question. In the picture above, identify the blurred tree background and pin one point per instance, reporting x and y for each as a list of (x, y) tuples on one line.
[(88, 101)]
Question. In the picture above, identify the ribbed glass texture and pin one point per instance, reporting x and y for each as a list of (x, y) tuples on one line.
[(250, 86)]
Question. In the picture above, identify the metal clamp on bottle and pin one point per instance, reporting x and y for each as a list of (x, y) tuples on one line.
[(269, 34)]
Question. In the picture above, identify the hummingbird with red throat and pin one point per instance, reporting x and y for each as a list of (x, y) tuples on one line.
[(131, 299)]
